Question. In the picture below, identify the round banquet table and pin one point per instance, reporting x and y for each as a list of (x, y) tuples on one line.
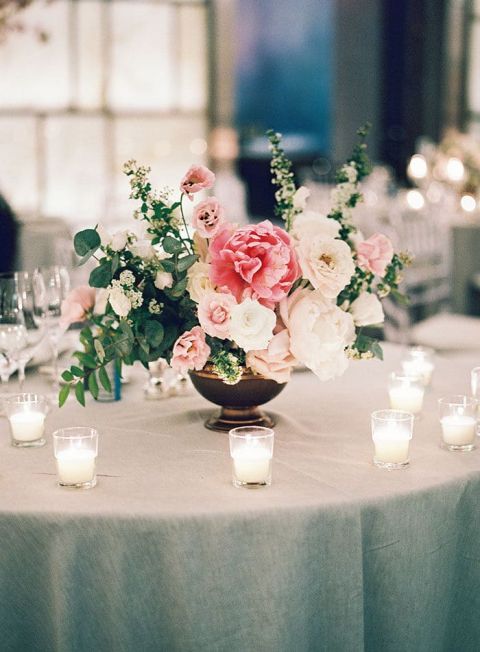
[(165, 554)]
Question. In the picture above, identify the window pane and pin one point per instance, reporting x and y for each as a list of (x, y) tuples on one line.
[(90, 53), (142, 55), (75, 168), (35, 73), (18, 165), (193, 57)]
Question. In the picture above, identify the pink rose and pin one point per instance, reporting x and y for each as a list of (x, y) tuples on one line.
[(208, 216), (375, 254), (214, 314), (275, 362), (190, 351), (257, 261), (198, 178), (76, 305)]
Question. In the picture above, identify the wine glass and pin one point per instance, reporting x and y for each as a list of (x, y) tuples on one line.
[(13, 332), (54, 287)]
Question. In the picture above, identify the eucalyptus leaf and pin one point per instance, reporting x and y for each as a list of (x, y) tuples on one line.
[(186, 262), (172, 245), (154, 332), (86, 242), (101, 276)]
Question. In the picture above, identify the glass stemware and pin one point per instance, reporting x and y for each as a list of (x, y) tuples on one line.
[(13, 332), (56, 285)]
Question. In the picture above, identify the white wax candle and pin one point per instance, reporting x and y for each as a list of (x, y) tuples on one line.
[(391, 444), (76, 465), (252, 465), (419, 367), (458, 430), (407, 398), (27, 426)]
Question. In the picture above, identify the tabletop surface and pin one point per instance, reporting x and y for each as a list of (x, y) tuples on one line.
[(156, 459)]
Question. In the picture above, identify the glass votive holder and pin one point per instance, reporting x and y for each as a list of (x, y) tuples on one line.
[(251, 449), (458, 418), (419, 362), (75, 452), (406, 392), (392, 431), (26, 415)]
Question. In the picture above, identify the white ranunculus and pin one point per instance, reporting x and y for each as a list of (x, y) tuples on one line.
[(300, 198), (119, 240), (251, 325), (367, 310), (199, 282), (143, 249), (310, 224), (163, 280), (327, 263), (119, 301), (319, 332), (105, 237)]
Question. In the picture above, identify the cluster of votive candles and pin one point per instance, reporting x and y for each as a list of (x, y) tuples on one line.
[(75, 449), (392, 429)]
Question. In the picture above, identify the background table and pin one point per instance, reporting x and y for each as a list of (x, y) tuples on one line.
[(165, 554)]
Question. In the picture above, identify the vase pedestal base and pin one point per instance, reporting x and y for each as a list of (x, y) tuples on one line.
[(229, 418)]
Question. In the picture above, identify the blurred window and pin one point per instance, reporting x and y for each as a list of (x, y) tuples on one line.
[(116, 79)]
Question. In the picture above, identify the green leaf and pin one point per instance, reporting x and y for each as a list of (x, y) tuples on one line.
[(154, 332), (377, 350), (76, 371), (186, 262), (179, 288), (67, 376), (101, 276), (99, 349), (86, 242), (63, 395), (115, 263), (80, 393), (168, 264), (104, 379), (127, 329), (123, 346), (86, 359), (87, 334), (172, 245), (93, 385)]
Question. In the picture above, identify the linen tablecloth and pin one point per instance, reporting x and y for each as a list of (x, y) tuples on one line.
[(165, 554)]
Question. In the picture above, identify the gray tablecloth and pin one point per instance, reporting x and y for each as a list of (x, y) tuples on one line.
[(165, 554)]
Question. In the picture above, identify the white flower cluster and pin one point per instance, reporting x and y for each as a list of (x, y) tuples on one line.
[(343, 192), (122, 294), (154, 308)]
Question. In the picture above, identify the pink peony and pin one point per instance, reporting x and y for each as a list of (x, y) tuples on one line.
[(208, 216), (375, 254), (256, 261), (276, 361), (190, 351), (197, 178), (214, 314), (76, 305)]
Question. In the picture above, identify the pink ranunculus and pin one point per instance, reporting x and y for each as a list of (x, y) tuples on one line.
[(208, 217), (276, 361), (198, 177), (190, 351), (257, 261), (75, 306), (214, 314), (375, 254)]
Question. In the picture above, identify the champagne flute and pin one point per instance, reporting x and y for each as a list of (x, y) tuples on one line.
[(32, 290), (53, 290), (13, 333)]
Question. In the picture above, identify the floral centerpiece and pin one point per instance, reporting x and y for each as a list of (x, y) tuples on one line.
[(255, 299)]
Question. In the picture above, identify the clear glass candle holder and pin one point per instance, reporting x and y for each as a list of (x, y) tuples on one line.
[(406, 392), (26, 415), (76, 452), (458, 419), (392, 431), (419, 361), (251, 449)]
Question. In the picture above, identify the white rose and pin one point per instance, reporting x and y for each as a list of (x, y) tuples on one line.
[(319, 332), (300, 197), (105, 237), (251, 325), (199, 282), (119, 301), (327, 263), (367, 310), (119, 240), (309, 224), (163, 280), (142, 249)]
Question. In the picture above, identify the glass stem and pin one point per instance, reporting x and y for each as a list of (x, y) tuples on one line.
[(56, 384), (21, 375)]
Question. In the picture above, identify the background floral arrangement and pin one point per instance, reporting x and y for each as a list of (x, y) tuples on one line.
[(255, 297)]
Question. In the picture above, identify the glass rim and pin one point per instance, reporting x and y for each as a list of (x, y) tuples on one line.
[(258, 432), (452, 400), (425, 350), (72, 432), (394, 415), (25, 398), (403, 375)]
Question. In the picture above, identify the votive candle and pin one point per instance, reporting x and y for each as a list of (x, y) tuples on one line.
[(391, 433)]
